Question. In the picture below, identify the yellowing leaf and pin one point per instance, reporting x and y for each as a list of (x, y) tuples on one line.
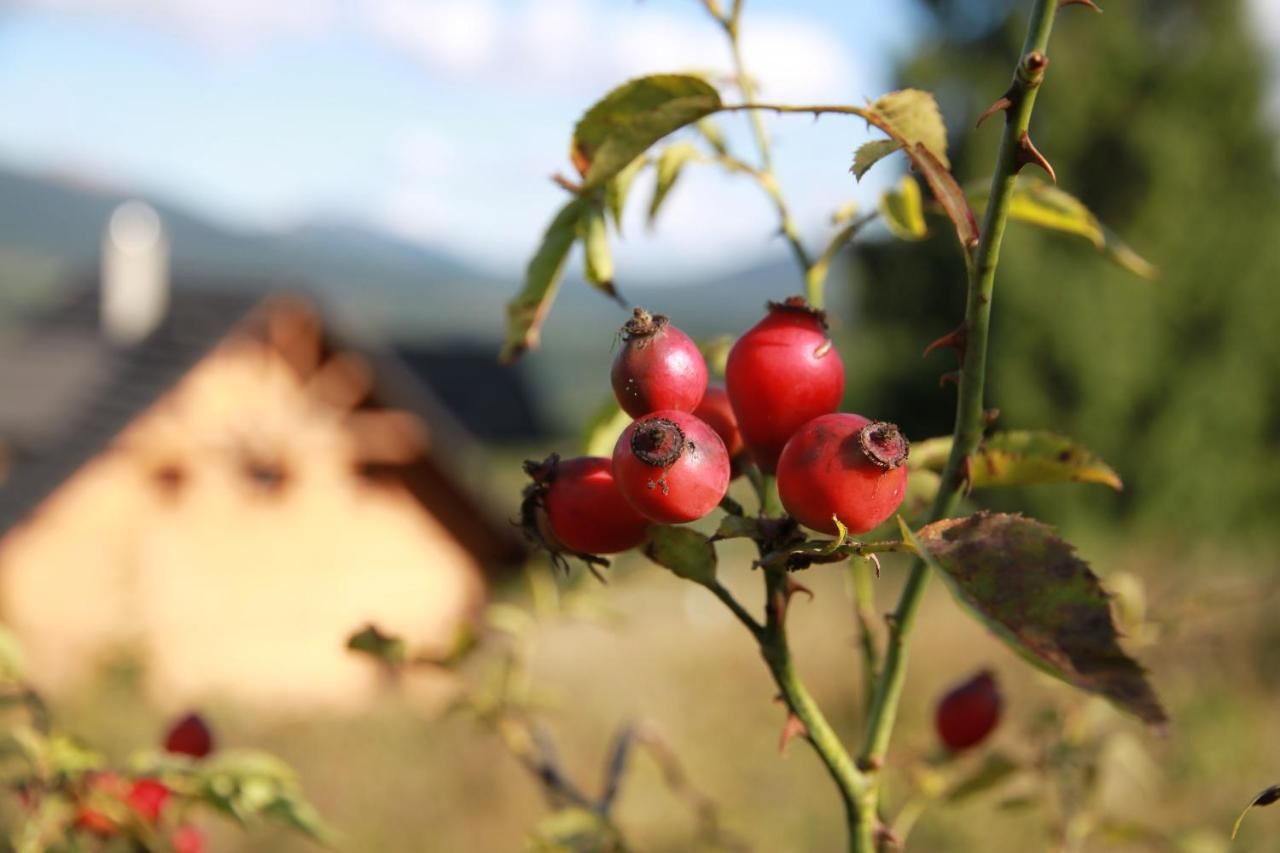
[(1036, 595), (870, 153), (914, 116), (615, 192), (670, 162), (1042, 204), (603, 429), (632, 117), (528, 310), (902, 210), (1021, 458), (597, 261)]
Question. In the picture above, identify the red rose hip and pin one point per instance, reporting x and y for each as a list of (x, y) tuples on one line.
[(671, 466), (659, 367), (846, 466), (190, 736), (782, 373), (584, 508), (716, 411), (968, 712)]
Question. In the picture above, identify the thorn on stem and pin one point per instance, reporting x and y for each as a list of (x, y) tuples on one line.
[(793, 727), (952, 378), (1092, 5), (793, 586), (869, 764), (1003, 103), (886, 837), (1029, 155), (957, 339), (990, 416), (966, 476)]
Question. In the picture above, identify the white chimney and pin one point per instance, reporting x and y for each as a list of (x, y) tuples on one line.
[(135, 273)]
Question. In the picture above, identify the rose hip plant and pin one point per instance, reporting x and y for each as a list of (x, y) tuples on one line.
[(814, 469)]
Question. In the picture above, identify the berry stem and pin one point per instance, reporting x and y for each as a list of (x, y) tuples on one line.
[(969, 407)]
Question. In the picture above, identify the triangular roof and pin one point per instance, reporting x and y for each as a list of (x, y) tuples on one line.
[(66, 393)]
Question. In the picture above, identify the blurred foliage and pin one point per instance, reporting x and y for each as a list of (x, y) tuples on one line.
[(1155, 119)]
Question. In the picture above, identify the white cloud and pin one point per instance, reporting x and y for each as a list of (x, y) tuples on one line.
[(457, 36)]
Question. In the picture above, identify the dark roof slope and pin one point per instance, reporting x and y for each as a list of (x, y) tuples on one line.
[(65, 393)]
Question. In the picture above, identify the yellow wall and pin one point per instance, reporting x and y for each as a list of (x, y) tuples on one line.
[(225, 587)]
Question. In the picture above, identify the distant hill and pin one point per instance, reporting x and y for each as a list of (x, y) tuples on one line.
[(379, 284)]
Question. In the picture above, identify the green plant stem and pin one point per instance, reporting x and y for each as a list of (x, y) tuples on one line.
[(749, 621), (765, 175), (969, 421), (835, 758), (864, 597)]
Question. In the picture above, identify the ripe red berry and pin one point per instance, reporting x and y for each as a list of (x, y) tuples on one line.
[(671, 466), (187, 839), (584, 508), (718, 414), (659, 367), (190, 736), (147, 797), (846, 466), (782, 373), (968, 712)]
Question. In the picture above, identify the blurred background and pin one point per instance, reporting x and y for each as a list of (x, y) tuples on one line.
[(253, 264)]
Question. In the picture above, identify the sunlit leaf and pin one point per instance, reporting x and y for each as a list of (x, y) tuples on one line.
[(1030, 588), (1266, 797), (597, 260), (870, 153), (1043, 204), (1020, 458), (687, 553), (716, 353), (902, 210), (916, 120), (632, 117), (670, 163), (710, 131), (527, 311), (616, 190), (603, 428)]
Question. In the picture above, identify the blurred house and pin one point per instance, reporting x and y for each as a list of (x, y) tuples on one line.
[(224, 484)]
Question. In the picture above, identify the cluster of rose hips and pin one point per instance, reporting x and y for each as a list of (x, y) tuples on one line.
[(777, 410), (110, 801)]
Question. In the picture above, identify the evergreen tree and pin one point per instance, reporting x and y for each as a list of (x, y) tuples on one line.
[(1152, 114)]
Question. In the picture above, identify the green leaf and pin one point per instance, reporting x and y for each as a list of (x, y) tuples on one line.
[(1043, 204), (710, 131), (632, 117), (574, 830), (902, 210), (916, 120), (615, 192), (870, 153), (253, 786), (527, 311), (1034, 593), (1267, 796), (995, 768), (670, 163), (597, 262), (737, 527), (1021, 458), (603, 429), (385, 648), (685, 552)]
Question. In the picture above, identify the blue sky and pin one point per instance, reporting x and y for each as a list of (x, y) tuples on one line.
[(439, 120)]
